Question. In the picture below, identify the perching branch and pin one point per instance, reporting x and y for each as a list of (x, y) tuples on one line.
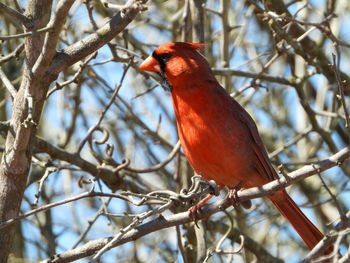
[(162, 221), (295, 176)]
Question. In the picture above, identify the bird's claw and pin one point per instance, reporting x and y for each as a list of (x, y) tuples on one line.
[(196, 209), (193, 214), (233, 198)]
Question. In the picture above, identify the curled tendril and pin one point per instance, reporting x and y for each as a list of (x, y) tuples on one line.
[(194, 191), (109, 150), (124, 164), (241, 238), (103, 140), (83, 181), (210, 252), (176, 198), (92, 189), (194, 182)]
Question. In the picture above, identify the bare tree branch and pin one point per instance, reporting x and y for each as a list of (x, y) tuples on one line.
[(162, 222), (12, 12), (30, 98), (91, 43), (239, 73), (27, 34), (50, 42), (11, 89), (13, 54)]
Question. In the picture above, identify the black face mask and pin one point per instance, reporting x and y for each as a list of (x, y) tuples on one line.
[(162, 60)]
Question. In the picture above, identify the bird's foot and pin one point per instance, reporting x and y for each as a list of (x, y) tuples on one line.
[(193, 214), (195, 210), (233, 198)]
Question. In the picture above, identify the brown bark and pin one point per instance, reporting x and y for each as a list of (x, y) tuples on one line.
[(41, 69), (16, 159)]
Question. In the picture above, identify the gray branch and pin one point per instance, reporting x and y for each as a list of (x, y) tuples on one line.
[(91, 43), (14, 13), (162, 222)]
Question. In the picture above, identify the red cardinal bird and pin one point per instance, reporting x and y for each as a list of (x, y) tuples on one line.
[(218, 137)]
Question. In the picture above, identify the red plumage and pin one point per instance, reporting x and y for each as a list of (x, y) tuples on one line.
[(219, 138)]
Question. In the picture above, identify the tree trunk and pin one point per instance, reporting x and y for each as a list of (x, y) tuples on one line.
[(15, 163)]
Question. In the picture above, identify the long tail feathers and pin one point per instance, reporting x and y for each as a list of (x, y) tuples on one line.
[(289, 209)]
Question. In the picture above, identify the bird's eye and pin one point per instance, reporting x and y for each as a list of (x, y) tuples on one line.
[(162, 58)]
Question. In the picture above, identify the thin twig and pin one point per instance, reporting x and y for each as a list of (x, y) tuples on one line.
[(48, 171), (14, 13), (257, 76), (18, 7), (103, 113), (90, 224), (292, 142), (239, 73), (320, 248), (341, 91), (180, 245), (27, 34), (159, 165), (9, 222), (8, 84), (107, 4), (137, 221), (59, 86), (13, 54), (343, 217)]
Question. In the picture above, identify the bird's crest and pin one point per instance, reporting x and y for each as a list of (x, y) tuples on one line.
[(195, 46), (181, 46)]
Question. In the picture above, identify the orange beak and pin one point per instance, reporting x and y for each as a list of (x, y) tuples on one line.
[(150, 64)]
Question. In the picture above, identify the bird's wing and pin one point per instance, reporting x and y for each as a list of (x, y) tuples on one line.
[(262, 161)]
